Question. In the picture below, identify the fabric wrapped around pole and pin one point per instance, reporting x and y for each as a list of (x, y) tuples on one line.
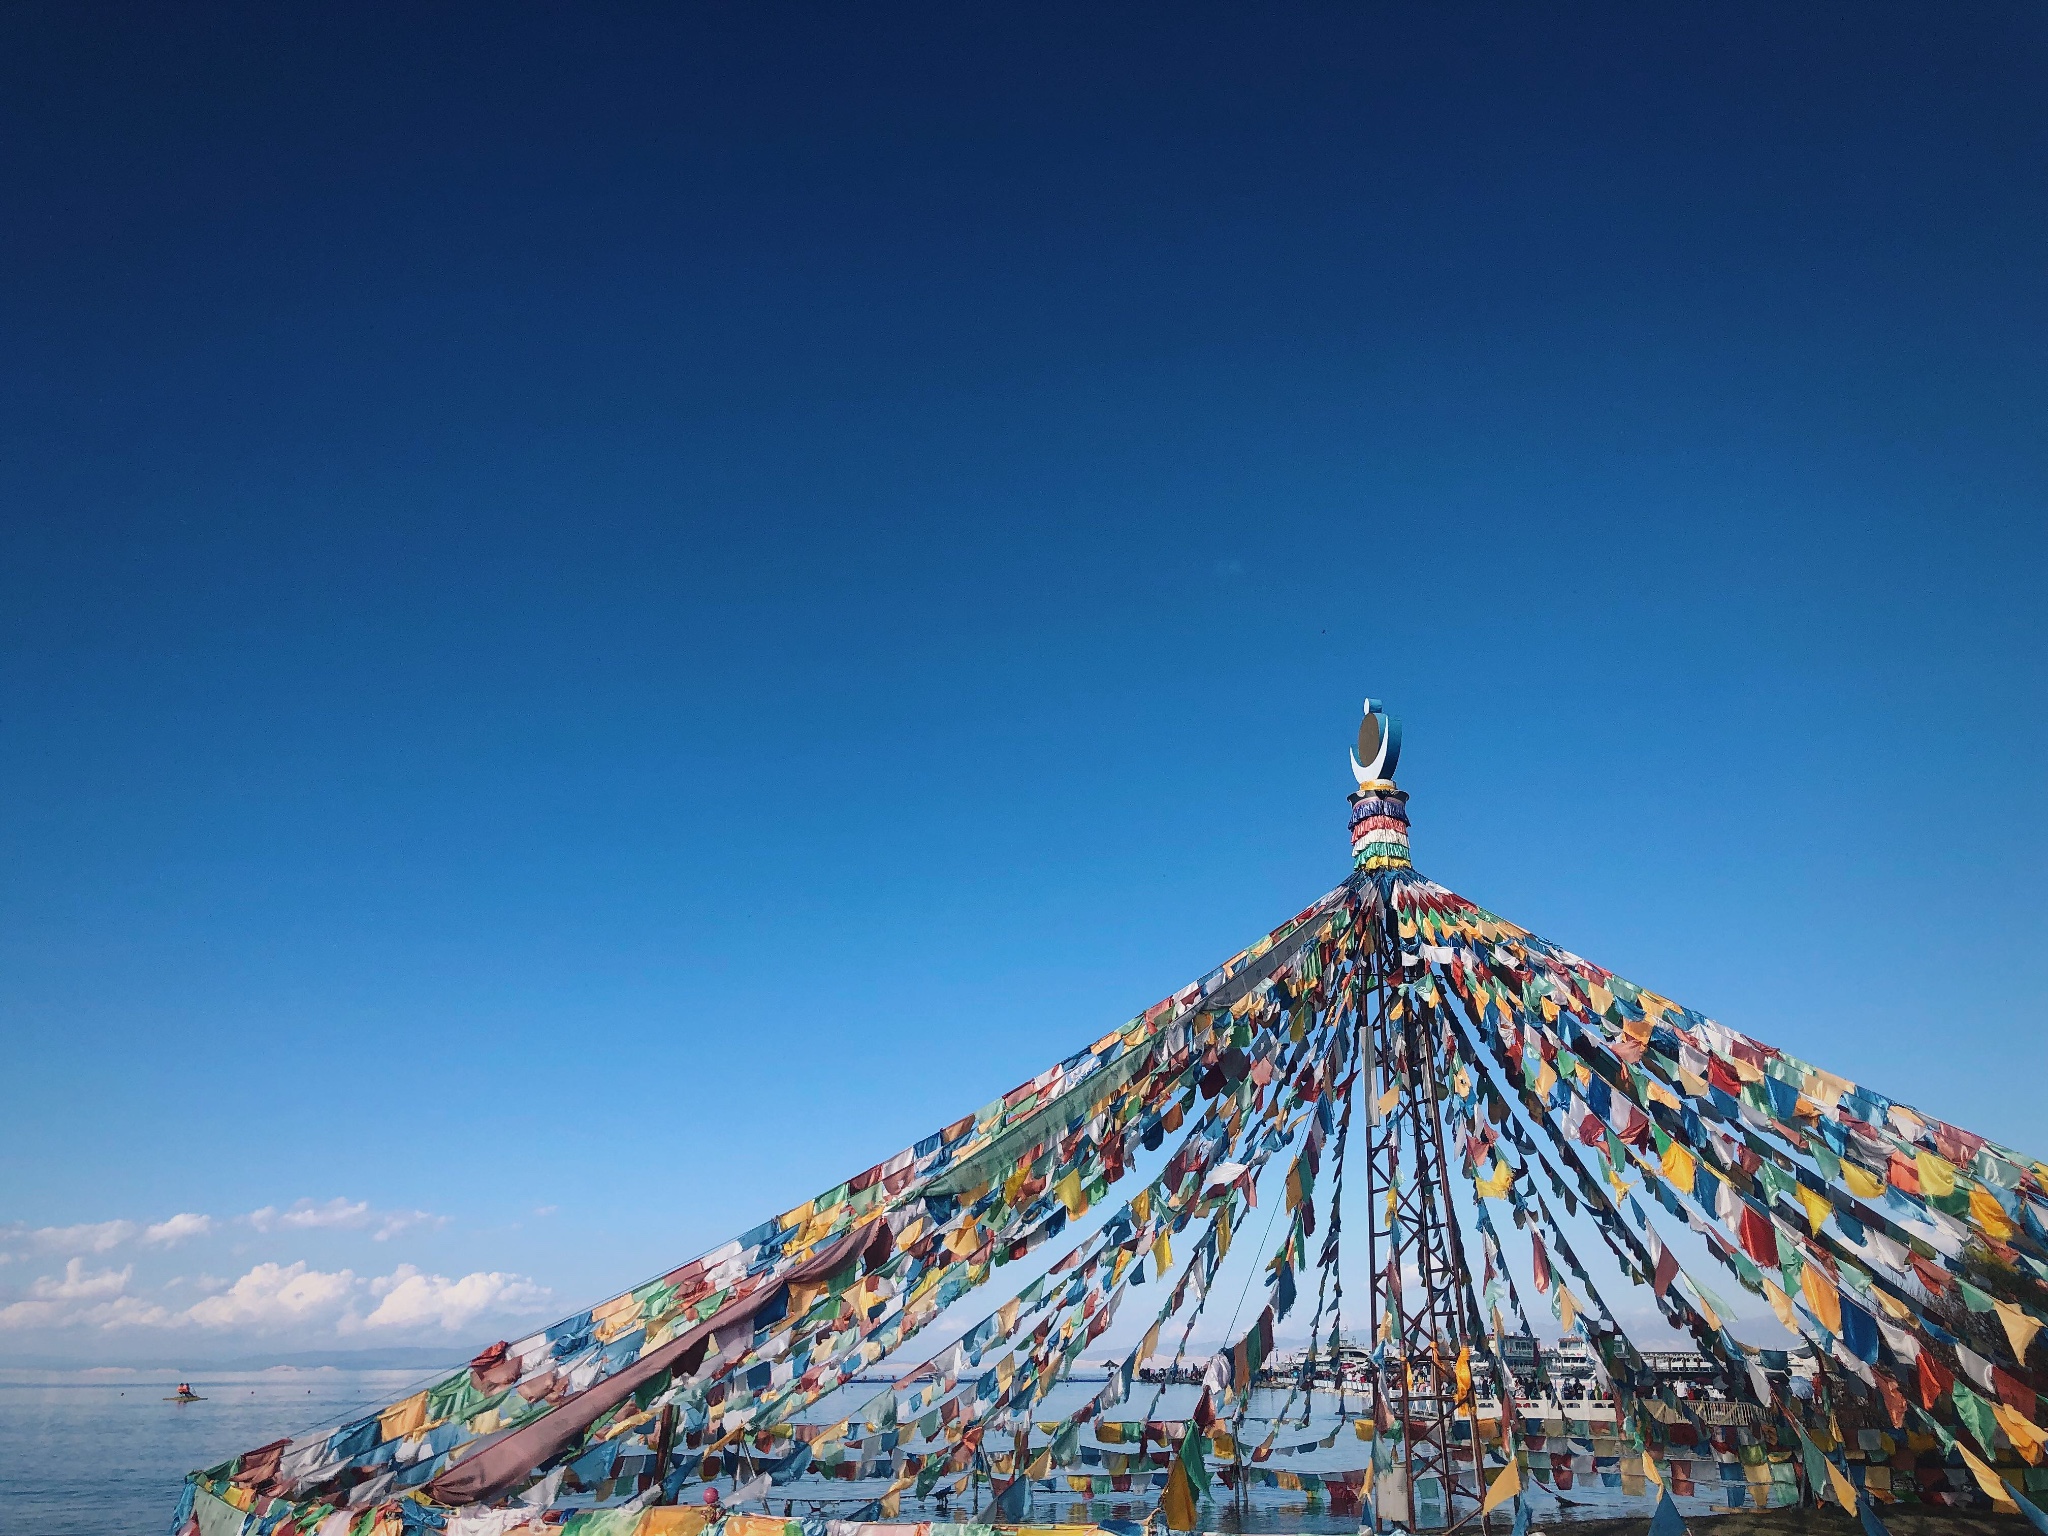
[(498, 1464)]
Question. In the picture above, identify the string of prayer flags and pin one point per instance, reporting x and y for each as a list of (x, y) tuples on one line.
[(1909, 1255)]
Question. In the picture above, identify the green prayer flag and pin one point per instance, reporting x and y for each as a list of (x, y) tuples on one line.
[(1194, 1461), (1790, 1266), (1977, 1414)]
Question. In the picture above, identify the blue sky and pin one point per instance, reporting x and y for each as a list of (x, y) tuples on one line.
[(605, 618)]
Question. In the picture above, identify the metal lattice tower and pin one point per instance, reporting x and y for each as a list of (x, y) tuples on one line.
[(1425, 1318)]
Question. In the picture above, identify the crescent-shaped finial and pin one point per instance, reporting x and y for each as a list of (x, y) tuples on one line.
[(1379, 745)]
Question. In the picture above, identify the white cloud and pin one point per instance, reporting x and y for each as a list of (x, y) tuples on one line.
[(33, 1314), (82, 1298), (274, 1299), (179, 1227), (19, 1241), (304, 1215), (410, 1299), (275, 1296), (79, 1285), (279, 1297), (113, 1313), (341, 1214), (126, 1312), (395, 1222), (87, 1237)]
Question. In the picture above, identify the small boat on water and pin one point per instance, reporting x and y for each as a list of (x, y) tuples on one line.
[(184, 1394)]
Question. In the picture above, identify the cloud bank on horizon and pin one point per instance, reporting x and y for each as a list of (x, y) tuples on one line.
[(61, 1287)]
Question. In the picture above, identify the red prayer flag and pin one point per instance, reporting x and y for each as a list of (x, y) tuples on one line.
[(1903, 1174), (1759, 1237), (1935, 1380), (1667, 1271), (1894, 1399), (2015, 1394)]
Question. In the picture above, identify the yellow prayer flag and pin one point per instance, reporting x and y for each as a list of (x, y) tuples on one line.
[(1162, 1254), (403, 1419), (2026, 1436), (1843, 1490), (1822, 1296), (1068, 1193), (1178, 1503), (1817, 1207), (1989, 1214), (673, 1520), (1992, 1484), (1495, 1185), (1937, 1174), (1388, 1100), (1781, 1304), (1503, 1488), (1678, 1166), (1567, 1305), (1863, 1184), (2020, 1327)]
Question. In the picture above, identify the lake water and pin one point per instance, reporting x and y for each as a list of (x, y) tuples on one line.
[(104, 1455)]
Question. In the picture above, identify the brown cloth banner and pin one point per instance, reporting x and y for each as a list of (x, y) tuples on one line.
[(499, 1463)]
